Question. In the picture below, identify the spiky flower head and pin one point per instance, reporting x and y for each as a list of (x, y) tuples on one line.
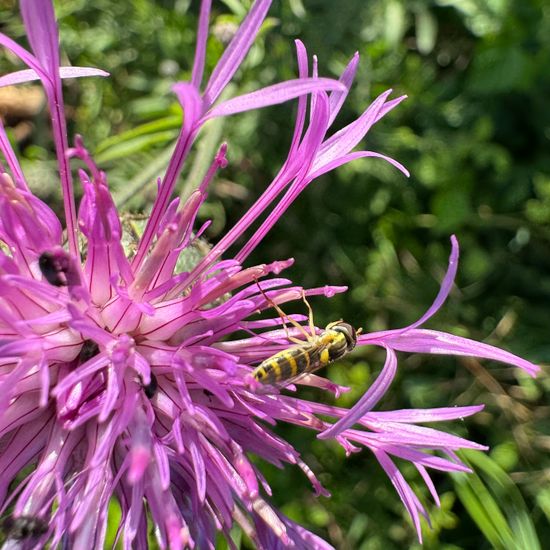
[(121, 377)]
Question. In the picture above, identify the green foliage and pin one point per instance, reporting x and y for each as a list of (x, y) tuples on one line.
[(474, 133), (495, 504)]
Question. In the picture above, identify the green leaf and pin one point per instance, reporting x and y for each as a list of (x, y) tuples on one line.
[(135, 145), (114, 516), (510, 497), (495, 504), (160, 125)]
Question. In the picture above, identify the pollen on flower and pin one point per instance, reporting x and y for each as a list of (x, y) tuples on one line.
[(127, 357)]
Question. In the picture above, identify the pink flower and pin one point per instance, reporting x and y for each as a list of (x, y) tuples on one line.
[(122, 378)]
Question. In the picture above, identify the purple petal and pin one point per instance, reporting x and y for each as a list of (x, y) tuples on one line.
[(436, 342), (402, 487), (442, 295), (22, 54), (190, 101), (29, 75), (11, 159), (235, 52), (446, 285), (200, 49), (412, 435), (340, 161), (429, 483), (337, 98), (369, 399), (273, 95), (388, 106), (199, 468), (411, 416), (347, 138), (39, 19), (304, 157), (301, 55)]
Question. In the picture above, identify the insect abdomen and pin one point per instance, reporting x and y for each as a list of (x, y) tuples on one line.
[(297, 360), (286, 364)]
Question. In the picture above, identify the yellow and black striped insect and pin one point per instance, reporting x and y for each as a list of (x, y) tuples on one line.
[(309, 355)]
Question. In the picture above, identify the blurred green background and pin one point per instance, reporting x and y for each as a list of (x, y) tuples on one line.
[(475, 135)]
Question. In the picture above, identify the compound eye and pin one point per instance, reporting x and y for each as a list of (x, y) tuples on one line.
[(349, 332)]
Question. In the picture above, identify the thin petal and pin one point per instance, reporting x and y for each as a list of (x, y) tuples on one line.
[(29, 75), (303, 158), (273, 95), (340, 161), (411, 416), (404, 490), (301, 54), (22, 54), (368, 401), (337, 98), (189, 98), (436, 342), (11, 159), (442, 295), (39, 19), (42, 33), (347, 138), (200, 49), (236, 51)]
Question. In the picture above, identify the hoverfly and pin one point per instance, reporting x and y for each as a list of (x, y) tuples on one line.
[(306, 356)]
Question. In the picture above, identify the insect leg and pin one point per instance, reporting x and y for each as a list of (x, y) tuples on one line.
[(310, 314), (284, 316)]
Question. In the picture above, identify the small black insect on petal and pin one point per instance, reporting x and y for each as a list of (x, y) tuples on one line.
[(24, 527), (54, 268), (89, 349), (151, 388)]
